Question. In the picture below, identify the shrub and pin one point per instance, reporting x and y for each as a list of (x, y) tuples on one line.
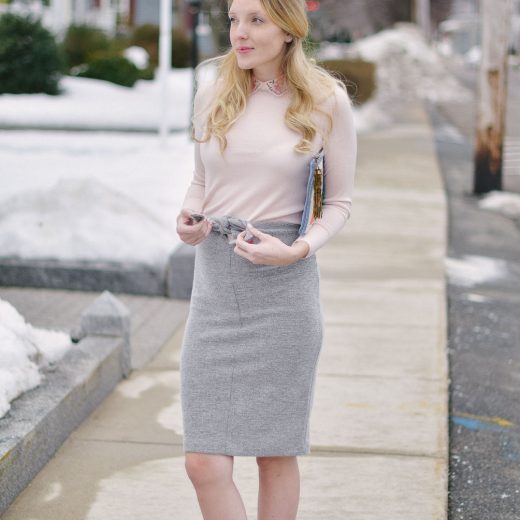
[(116, 69), (147, 74), (30, 60), (358, 75), (310, 46), (83, 43), (181, 49), (147, 36)]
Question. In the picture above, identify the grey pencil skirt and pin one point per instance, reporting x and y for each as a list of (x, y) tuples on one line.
[(250, 351)]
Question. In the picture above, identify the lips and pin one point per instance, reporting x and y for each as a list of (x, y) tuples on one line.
[(244, 50)]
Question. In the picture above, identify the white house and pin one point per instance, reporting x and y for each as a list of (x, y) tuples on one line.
[(57, 15)]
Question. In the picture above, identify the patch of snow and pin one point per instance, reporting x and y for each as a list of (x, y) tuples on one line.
[(138, 56), (24, 351), (407, 69), (91, 103), (471, 270), (472, 297), (450, 133), (106, 196), (332, 51), (82, 219), (473, 56), (504, 202)]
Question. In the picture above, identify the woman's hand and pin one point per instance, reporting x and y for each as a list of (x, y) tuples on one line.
[(189, 231), (270, 250)]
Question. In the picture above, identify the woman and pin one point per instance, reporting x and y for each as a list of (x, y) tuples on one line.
[(254, 330)]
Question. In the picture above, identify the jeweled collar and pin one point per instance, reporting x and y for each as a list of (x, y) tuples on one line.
[(277, 85)]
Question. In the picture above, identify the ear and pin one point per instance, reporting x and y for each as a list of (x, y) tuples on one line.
[(288, 38)]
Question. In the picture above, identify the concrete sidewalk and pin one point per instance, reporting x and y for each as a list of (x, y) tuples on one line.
[(379, 421)]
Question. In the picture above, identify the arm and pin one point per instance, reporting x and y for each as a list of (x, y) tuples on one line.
[(189, 231), (194, 198), (340, 164)]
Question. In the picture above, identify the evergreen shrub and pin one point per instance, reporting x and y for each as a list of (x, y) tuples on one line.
[(30, 58)]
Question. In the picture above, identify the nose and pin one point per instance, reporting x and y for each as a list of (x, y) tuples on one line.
[(240, 31)]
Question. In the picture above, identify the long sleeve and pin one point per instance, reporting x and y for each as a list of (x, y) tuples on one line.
[(194, 197), (340, 151)]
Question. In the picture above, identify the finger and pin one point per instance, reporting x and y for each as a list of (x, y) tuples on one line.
[(188, 233), (242, 244), (186, 215), (255, 231), (241, 252)]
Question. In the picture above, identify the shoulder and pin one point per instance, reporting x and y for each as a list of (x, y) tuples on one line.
[(336, 99), (204, 94)]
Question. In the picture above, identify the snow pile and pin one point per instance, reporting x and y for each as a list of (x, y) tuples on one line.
[(91, 103), (72, 195), (504, 202), (472, 269), (407, 69), (82, 219), (24, 350), (138, 56)]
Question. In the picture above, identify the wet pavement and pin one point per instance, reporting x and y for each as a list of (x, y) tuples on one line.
[(484, 353)]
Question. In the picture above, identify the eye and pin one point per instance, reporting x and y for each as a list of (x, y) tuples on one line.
[(257, 20), (232, 19)]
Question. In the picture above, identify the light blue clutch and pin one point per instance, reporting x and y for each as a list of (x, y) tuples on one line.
[(313, 207)]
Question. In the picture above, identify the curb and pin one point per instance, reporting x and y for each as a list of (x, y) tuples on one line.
[(173, 280), (41, 419)]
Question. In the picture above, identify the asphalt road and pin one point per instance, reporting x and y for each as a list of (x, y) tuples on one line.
[(483, 346)]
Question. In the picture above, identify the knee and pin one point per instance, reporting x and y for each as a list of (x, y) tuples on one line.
[(273, 463), (203, 469)]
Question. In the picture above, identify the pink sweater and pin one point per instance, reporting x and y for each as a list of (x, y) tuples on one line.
[(261, 176)]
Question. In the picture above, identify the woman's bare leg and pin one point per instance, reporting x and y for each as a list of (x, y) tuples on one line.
[(212, 477), (279, 491)]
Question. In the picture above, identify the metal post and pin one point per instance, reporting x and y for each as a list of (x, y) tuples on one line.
[(165, 61), (496, 28), (423, 17), (195, 6)]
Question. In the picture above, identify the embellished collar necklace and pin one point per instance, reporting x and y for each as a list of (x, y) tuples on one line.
[(277, 85)]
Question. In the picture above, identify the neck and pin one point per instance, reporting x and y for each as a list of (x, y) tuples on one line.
[(263, 76)]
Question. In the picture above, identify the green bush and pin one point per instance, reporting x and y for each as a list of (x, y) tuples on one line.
[(30, 60), (359, 76), (181, 49), (147, 37), (83, 43), (147, 74), (116, 69), (310, 46)]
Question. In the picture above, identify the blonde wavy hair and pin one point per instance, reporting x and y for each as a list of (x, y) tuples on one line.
[(310, 83)]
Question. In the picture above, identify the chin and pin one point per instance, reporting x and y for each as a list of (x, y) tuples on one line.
[(244, 66)]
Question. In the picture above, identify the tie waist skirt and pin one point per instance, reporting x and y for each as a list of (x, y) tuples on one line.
[(250, 350)]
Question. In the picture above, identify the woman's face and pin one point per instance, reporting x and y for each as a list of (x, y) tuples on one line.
[(258, 43)]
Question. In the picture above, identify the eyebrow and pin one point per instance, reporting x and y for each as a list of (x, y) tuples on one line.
[(257, 13)]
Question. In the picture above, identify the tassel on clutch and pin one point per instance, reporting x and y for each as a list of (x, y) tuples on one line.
[(313, 207)]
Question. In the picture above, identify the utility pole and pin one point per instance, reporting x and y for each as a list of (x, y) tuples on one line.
[(496, 18), (195, 6), (422, 17), (165, 64)]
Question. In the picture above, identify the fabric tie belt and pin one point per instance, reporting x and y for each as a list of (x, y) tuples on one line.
[(228, 227)]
